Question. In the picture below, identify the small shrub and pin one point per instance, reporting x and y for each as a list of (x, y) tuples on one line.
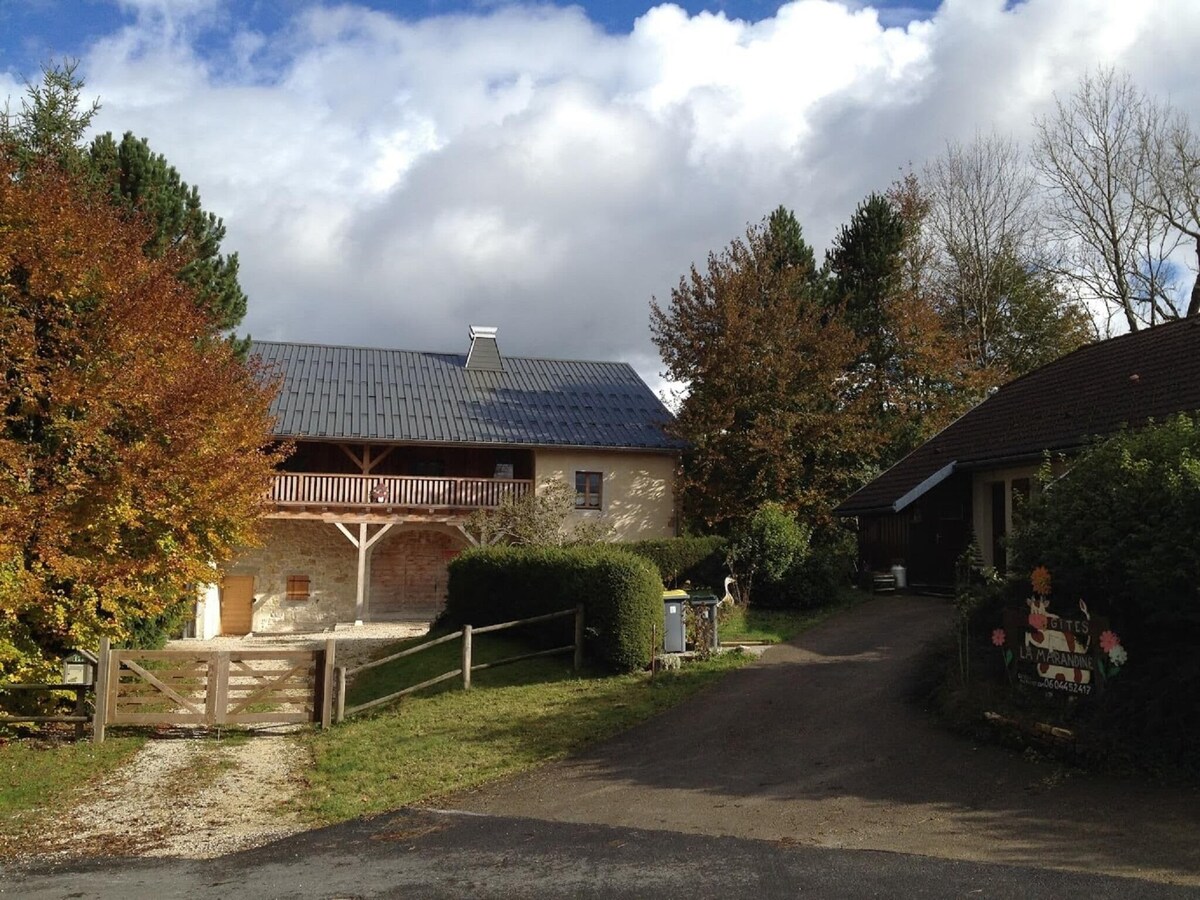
[(621, 594), (765, 548), (698, 560)]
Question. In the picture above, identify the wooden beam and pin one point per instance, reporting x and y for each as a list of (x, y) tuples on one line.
[(378, 459), (375, 518), (354, 457), (360, 599), (377, 535), (470, 537), (346, 531)]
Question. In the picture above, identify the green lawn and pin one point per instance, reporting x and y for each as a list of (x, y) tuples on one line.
[(36, 777), (774, 626)]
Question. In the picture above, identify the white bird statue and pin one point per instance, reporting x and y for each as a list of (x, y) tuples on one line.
[(729, 597)]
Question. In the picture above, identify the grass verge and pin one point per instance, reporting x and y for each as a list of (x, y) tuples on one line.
[(774, 626), (37, 777)]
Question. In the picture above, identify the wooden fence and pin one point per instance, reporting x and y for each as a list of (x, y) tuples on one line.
[(467, 666), (79, 718), (217, 687)]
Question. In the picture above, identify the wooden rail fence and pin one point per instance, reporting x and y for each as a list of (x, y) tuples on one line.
[(467, 666), (79, 718)]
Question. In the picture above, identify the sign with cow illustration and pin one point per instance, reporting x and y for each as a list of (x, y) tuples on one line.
[(1063, 650)]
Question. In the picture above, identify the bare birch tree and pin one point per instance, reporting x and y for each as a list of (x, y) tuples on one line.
[(1172, 150), (1095, 159), (996, 289)]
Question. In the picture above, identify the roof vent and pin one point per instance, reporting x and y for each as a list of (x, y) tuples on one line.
[(484, 355)]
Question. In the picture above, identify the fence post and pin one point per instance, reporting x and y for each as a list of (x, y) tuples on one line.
[(327, 682), (578, 637), (466, 657), (341, 693), (102, 676), (80, 708)]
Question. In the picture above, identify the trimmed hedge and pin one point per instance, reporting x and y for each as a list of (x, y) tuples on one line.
[(621, 594), (700, 560)]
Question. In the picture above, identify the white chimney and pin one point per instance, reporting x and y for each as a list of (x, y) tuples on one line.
[(484, 355)]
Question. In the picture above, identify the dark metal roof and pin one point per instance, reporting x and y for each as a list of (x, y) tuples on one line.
[(361, 394), (1127, 380)]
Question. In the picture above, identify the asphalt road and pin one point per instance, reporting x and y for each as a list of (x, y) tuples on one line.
[(809, 773), (421, 854), (820, 743)]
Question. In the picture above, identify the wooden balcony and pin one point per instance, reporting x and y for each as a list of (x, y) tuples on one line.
[(382, 494)]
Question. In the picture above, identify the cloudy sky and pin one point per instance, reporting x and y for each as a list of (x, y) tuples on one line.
[(393, 172)]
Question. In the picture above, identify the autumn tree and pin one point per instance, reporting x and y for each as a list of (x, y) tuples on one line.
[(763, 364), (134, 445), (50, 126)]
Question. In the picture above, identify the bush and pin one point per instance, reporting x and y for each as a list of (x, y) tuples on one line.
[(621, 594), (1120, 528), (699, 560), (765, 548), (819, 575)]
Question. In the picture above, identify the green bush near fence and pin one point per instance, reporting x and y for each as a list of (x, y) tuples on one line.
[(621, 594), (698, 560)]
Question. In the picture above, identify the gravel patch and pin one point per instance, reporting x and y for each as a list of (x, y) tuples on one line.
[(195, 794)]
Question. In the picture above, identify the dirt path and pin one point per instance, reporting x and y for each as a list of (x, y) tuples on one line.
[(818, 744)]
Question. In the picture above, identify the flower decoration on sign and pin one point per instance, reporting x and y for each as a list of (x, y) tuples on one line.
[(1040, 579), (999, 639), (1110, 643)]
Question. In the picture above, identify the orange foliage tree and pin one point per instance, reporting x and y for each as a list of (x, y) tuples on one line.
[(135, 448), (766, 410)]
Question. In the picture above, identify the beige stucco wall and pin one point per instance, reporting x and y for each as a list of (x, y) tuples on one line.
[(638, 494)]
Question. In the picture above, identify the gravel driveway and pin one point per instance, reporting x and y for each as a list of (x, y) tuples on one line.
[(818, 744)]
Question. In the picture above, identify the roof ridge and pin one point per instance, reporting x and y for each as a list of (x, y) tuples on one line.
[(594, 362)]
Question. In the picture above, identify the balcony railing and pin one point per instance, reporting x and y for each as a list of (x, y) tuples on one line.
[(375, 491)]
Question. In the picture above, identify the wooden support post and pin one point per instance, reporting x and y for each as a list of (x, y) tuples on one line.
[(578, 637), (102, 676), (341, 693), (326, 676), (466, 657), (361, 597)]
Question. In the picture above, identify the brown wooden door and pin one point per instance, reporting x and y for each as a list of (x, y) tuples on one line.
[(237, 604)]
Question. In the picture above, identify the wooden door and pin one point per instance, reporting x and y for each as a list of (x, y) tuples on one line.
[(237, 604)]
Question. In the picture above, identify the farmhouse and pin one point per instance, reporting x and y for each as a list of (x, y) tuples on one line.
[(962, 483), (396, 449)]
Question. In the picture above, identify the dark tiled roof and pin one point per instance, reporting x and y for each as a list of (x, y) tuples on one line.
[(356, 393), (1092, 391)]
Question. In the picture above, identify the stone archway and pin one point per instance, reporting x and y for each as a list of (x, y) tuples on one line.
[(409, 572)]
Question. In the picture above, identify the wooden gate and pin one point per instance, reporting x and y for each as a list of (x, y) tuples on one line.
[(218, 687)]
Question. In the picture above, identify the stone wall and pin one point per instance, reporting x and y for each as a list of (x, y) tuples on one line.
[(315, 549)]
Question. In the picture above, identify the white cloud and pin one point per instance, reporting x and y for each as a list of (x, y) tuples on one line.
[(389, 182)]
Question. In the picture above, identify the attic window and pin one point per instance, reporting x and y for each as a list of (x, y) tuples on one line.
[(298, 587)]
